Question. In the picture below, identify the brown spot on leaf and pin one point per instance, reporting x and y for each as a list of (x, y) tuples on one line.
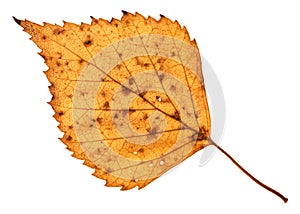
[(99, 120), (130, 81), (58, 31), (106, 105), (161, 77), (141, 150), (125, 90), (88, 42), (161, 60), (145, 116), (173, 88)]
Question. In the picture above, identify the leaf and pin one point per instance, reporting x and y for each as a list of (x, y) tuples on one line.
[(128, 94)]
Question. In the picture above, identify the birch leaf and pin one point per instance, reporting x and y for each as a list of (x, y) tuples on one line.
[(128, 94)]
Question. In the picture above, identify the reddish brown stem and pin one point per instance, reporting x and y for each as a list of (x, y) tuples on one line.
[(248, 174)]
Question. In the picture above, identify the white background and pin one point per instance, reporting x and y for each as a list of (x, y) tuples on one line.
[(254, 48)]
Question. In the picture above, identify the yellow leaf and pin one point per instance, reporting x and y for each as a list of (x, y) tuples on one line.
[(128, 94)]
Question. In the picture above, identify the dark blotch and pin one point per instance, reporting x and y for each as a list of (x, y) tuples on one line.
[(88, 42), (69, 138), (106, 105), (173, 88), (130, 81), (161, 77), (161, 60), (138, 61), (145, 116), (58, 31), (153, 131), (59, 55), (125, 90), (141, 150), (99, 119), (124, 113), (108, 170)]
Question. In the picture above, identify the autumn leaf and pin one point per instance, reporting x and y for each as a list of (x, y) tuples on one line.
[(128, 94)]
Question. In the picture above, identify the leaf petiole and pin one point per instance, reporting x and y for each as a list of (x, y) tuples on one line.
[(247, 173)]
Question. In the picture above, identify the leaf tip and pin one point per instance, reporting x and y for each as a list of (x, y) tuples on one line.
[(162, 16), (18, 21)]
